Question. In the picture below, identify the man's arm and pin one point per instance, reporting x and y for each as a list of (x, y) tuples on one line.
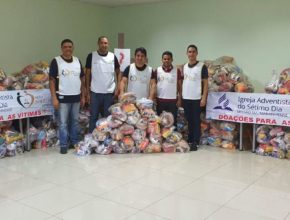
[(52, 85), (152, 89), (123, 85), (118, 78), (205, 92), (87, 84), (179, 87)]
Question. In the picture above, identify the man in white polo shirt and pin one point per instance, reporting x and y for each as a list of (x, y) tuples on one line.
[(138, 77), (102, 70), (67, 87), (194, 94), (168, 81)]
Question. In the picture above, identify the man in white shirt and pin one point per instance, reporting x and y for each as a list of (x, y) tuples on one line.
[(67, 87), (194, 94), (138, 77), (102, 70)]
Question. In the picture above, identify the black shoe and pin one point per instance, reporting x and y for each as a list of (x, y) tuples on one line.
[(193, 147), (63, 150)]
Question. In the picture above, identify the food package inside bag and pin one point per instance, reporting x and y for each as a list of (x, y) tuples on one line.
[(128, 143), (155, 138), (227, 144), (153, 128), (174, 137), (142, 144), (214, 141), (102, 125), (142, 124), (2, 75), (182, 146), (99, 135), (118, 148), (139, 135), (128, 97), (83, 149), (153, 148), (133, 117), (129, 108), (105, 148), (117, 112), (113, 122), (144, 104), (166, 132), (12, 136), (116, 134), (126, 129), (167, 119), (168, 147), (272, 86)]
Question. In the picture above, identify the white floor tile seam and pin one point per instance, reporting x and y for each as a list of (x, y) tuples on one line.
[(39, 210), (287, 216), (147, 213)]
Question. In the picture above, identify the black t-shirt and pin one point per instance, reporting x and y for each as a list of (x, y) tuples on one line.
[(127, 70), (53, 72), (90, 57)]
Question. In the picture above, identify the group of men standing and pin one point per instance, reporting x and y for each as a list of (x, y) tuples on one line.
[(102, 82)]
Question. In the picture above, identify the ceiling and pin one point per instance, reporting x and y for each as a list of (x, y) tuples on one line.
[(116, 3)]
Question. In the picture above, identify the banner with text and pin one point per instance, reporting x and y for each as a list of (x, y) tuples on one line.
[(24, 104), (256, 108)]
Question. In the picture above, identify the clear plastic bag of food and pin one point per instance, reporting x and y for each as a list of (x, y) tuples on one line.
[(272, 86), (228, 135), (3, 150), (102, 125), (214, 141), (12, 136), (133, 118), (153, 148), (153, 127), (116, 134), (228, 144), (118, 148), (128, 143), (155, 138), (278, 142), (113, 122), (182, 146), (129, 108), (138, 135), (287, 137), (11, 149), (276, 131), (143, 144), (116, 112), (144, 103), (168, 147), (83, 149), (105, 148), (99, 135), (142, 124), (166, 132), (174, 137), (126, 129), (227, 126), (148, 113), (167, 119), (128, 97)]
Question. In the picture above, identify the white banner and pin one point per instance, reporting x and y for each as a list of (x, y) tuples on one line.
[(24, 104), (123, 56), (256, 108)]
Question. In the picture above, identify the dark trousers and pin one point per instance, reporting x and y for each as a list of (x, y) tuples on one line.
[(168, 107), (192, 112), (100, 104)]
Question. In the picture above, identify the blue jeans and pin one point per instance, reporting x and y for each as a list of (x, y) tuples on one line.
[(100, 103), (68, 123)]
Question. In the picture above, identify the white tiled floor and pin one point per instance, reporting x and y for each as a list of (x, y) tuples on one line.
[(209, 184)]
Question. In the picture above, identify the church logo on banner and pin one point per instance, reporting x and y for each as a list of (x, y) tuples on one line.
[(223, 103)]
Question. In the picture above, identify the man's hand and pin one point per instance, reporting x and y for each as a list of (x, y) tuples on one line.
[(202, 102), (55, 103), (179, 102)]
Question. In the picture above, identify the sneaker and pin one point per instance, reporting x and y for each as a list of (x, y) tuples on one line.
[(193, 147), (63, 150)]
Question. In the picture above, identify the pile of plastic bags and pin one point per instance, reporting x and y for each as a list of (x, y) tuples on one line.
[(279, 84), (11, 143), (33, 76), (226, 76), (133, 127), (273, 141)]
